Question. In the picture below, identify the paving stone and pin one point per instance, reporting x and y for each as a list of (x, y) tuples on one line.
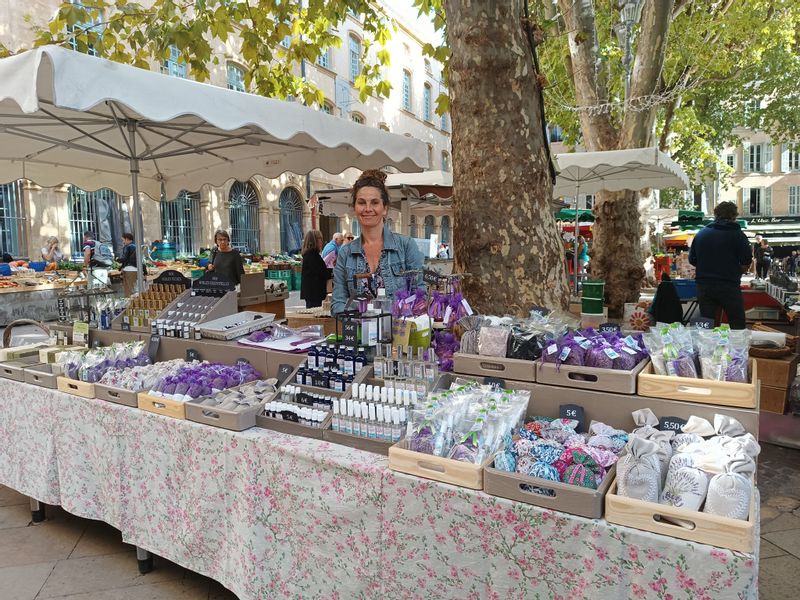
[(23, 582), (783, 522), (100, 539), (788, 540), (783, 503), (777, 578), (163, 590), (50, 541), (9, 497), (769, 550), (16, 515)]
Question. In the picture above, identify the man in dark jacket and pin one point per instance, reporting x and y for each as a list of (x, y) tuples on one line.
[(721, 253)]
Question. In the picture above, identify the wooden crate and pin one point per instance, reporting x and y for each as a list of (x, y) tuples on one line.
[(706, 391), (116, 395), (733, 534), (75, 387), (490, 366), (293, 428), (43, 375), (235, 420), (161, 406), (572, 499), (358, 442), (15, 369), (773, 399), (437, 468), (590, 378)]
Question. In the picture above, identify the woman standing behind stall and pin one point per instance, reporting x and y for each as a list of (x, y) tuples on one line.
[(224, 260), (313, 286), (380, 256), (51, 253)]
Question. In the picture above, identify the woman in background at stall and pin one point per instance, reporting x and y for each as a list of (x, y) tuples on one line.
[(378, 256), (51, 252), (224, 260), (313, 285)]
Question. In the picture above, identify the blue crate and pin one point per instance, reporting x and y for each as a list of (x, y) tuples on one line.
[(686, 288)]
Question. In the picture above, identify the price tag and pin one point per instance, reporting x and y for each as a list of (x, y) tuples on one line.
[(572, 411), (240, 362), (152, 347), (350, 333), (317, 380), (430, 277), (192, 354), (671, 424), (173, 277), (212, 284), (609, 327), (126, 323), (80, 332), (284, 371), (495, 382), (703, 322)]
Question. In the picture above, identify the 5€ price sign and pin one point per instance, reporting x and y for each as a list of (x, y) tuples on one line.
[(572, 411), (284, 371)]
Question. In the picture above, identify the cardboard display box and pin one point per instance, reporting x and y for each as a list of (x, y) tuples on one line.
[(777, 372), (774, 399)]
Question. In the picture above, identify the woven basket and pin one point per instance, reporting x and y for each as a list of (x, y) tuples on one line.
[(10, 327), (756, 352)]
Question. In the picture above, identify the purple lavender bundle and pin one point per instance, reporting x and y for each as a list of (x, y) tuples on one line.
[(422, 440)]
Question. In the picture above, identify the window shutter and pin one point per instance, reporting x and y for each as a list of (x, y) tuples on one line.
[(785, 158), (746, 157), (767, 211), (746, 201), (767, 158)]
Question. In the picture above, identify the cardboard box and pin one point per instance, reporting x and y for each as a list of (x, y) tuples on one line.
[(774, 399), (777, 372), (295, 319)]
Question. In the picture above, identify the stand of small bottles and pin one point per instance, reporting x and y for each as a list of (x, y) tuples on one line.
[(374, 412), (405, 371), (331, 366)]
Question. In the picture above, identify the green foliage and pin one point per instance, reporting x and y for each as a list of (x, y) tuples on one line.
[(140, 35)]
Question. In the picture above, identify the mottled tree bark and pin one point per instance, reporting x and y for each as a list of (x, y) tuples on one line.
[(504, 233)]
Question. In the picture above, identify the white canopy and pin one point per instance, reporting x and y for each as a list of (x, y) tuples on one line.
[(66, 117), (426, 178), (616, 170)]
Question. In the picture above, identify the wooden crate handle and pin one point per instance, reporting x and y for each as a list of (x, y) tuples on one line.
[(159, 405), (429, 466), (697, 391), (491, 366), (72, 386), (210, 414), (582, 376), (113, 394), (690, 525), (535, 490)]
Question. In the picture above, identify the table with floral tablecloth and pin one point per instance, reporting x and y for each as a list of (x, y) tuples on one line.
[(275, 516)]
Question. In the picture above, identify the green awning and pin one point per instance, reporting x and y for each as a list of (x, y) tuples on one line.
[(686, 225), (568, 214)]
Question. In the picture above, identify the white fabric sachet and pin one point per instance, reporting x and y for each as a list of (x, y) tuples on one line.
[(729, 493), (639, 471)]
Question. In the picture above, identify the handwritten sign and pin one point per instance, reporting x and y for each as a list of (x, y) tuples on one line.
[(609, 327), (497, 382)]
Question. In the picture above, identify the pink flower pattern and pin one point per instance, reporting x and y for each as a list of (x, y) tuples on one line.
[(271, 515)]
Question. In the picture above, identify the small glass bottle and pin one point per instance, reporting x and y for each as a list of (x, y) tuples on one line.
[(378, 363), (313, 353)]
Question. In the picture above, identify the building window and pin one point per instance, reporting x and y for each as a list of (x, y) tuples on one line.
[(357, 118), (730, 160), (445, 229), (172, 66), (790, 157), (383, 126), (753, 155), (794, 200), (406, 90), (427, 113), (767, 202), (235, 77), (94, 24), (355, 58), (555, 133), (180, 222), (412, 226), (327, 108), (98, 212), (428, 69), (446, 122), (751, 201), (324, 59), (243, 215), (588, 203), (445, 161), (12, 220), (428, 226), (291, 207)]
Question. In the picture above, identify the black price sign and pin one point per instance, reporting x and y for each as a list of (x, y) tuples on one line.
[(609, 327), (212, 284), (152, 348), (192, 354), (62, 309), (284, 371), (318, 380), (350, 333), (126, 324), (572, 411), (704, 322), (495, 382), (671, 424), (240, 362), (430, 277), (173, 277)]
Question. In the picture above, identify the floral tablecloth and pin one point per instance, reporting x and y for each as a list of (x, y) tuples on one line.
[(275, 516)]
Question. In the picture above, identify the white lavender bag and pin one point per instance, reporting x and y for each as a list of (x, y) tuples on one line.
[(730, 493), (646, 420), (639, 470), (686, 485), (692, 432)]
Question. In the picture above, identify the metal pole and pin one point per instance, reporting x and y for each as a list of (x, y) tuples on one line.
[(575, 239), (138, 234)]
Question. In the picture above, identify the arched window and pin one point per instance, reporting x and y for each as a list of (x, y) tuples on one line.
[(357, 118), (445, 161), (445, 230), (383, 126), (407, 90), (324, 58), (291, 207), (327, 107), (180, 222), (355, 57), (412, 226), (427, 113), (12, 220), (243, 215), (428, 67), (446, 122), (94, 23), (428, 226), (235, 77), (98, 212)]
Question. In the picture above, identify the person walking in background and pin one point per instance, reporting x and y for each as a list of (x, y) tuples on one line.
[(763, 254), (721, 253), (333, 246), (314, 284), (128, 264), (224, 260), (583, 253), (51, 252), (756, 246)]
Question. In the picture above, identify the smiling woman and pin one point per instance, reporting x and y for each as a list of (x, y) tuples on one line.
[(378, 258)]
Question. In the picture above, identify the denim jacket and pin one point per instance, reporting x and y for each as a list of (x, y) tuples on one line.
[(401, 254)]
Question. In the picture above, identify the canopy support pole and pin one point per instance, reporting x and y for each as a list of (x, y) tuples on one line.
[(575, 238), (137, 211)]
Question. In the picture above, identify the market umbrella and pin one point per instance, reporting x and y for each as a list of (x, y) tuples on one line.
[(66, 117), (615, 171)]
